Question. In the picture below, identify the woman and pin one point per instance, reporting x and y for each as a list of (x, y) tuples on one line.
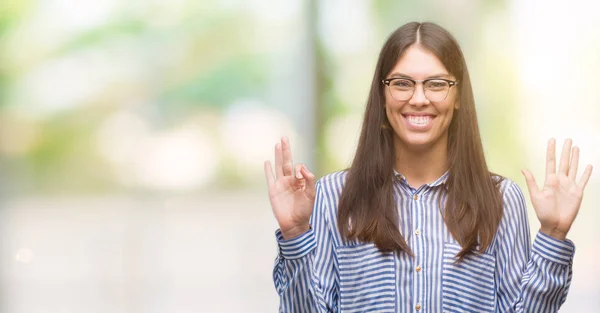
[(418, 223)]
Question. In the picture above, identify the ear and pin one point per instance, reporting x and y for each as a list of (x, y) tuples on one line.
[(456, 104)]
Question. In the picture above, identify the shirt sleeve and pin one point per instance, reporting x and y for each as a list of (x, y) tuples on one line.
[(304, 273), (528, 279)]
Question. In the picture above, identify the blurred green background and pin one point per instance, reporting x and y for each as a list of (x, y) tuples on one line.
[(133, 133)]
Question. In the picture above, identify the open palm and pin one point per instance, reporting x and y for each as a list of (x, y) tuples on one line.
[(557, 203)]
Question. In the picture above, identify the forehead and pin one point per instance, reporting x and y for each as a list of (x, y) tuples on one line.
[(419, 63)]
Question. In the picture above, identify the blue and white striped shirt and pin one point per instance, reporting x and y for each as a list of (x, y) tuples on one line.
[(320, 272)]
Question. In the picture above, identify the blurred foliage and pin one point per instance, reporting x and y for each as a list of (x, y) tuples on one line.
[(204, 59), (11, 11), (239, 77), (96, 37)]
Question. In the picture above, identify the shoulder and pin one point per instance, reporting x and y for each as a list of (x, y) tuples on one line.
[(333, 183), (329, 189), (513, 201), (512, 194), (508, 188)]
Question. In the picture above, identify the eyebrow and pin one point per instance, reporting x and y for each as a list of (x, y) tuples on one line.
[(400, 75)]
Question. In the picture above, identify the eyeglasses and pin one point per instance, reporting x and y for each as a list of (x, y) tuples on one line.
[(436, 89)]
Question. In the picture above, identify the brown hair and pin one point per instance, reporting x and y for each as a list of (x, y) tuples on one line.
[(367, 209)]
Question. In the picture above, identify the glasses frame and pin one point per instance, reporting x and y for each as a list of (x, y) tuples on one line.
[(387, 81)]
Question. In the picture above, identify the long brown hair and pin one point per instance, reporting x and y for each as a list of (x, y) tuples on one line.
[(473, 207)]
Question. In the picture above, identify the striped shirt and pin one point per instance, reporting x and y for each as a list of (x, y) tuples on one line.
[(319, 271)]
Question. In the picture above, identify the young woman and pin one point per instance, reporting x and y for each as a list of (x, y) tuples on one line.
[(418, 223)]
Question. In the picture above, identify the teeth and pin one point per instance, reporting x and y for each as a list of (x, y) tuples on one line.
[(419, 120)]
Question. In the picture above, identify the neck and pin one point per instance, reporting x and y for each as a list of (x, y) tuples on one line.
[(422, 165)]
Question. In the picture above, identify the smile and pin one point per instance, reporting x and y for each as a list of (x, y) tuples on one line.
[(418, 121)]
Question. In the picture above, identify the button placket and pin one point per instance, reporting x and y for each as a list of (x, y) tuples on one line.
[(417, 218)]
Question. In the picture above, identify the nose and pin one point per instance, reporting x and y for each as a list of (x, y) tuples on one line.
[(418, 97)]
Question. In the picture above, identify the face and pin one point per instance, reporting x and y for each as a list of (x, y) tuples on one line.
[(418, 122)]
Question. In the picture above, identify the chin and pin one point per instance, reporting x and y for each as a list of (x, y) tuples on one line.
[(418, 140)]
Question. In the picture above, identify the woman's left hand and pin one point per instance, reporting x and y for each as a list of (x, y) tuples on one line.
[(557, 203)]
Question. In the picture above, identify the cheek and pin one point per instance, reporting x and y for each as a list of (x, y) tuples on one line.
[(390, 107), (448, 106), (388, 103), (454, 100), (449, 112), (391, 112), (449, 117)]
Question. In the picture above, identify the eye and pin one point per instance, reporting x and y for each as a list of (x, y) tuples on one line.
[(437, 84), (402, 84)]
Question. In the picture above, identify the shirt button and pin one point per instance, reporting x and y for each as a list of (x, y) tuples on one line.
[(416, 197), (418, 268), (417, 232), (418, 307)]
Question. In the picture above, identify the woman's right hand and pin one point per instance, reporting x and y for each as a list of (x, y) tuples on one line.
[(291, 192)]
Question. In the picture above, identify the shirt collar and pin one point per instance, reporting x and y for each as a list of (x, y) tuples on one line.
[(442, 180)]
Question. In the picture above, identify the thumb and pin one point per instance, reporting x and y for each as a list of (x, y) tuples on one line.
[(530, 180)]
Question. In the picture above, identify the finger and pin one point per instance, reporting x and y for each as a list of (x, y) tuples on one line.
[(298, 171), (551, 157), (288, 166), (278, 161), (550, 160), (574, 164), (565, 157), (299, 181), (310, 177), (531, 184), (269, 174), (310, 181), (585, 177)]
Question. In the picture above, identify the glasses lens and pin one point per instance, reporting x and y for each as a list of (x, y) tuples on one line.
[(402, 89), (436, 90)]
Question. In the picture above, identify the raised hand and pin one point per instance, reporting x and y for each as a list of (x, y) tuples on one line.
[(557, 203), (292, 195)]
